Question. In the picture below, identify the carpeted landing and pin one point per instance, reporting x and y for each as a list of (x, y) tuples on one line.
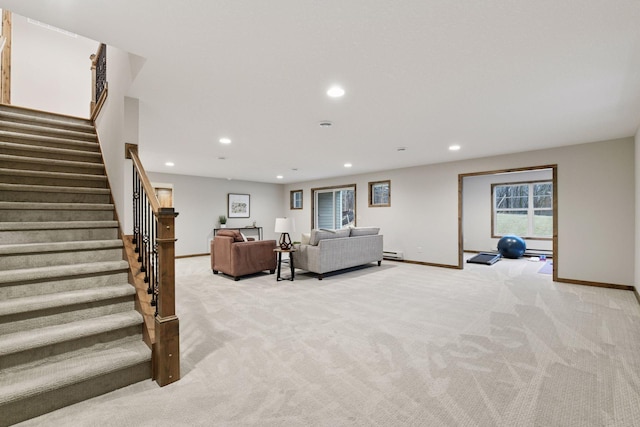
[(399, 344)]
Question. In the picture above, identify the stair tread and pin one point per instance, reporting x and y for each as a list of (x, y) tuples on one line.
[(57, 206), (27, 248), (58, 225), (47, 174), (52, 272), (57, 120), (35, 338), (48, 150), (52, 189), (57, 162), (41, 379), (42, 126), (49, 139)]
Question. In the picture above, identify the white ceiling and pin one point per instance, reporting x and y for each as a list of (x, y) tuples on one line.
[(494, 76)]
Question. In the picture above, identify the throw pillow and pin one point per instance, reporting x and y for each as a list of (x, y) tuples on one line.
[(318, 235), (304, 238), (364, 231)]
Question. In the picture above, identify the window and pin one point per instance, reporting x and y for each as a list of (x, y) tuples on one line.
[(523, 209), (380, 194), (334, 207), (295, 199)]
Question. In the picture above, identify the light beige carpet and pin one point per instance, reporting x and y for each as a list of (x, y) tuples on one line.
[(393, 345)]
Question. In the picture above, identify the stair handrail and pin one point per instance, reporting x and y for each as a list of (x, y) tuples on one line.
[(154, 240)]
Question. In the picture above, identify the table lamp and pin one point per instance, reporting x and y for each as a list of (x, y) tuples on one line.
[(285, 226)]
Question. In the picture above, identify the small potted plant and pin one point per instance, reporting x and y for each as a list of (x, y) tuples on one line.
[(223, 221)]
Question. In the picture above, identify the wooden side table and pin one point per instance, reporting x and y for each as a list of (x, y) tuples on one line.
[(279, 252)]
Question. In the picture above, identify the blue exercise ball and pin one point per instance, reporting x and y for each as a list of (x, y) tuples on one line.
[(511, 246)]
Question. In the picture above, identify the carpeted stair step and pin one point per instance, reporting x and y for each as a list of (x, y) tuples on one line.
[(25, 150), (27, 347), (43, 212), (48, 129), (56, 231), (53, 193), (36, 177), (61, 271), (35, 255), (44, 116), (55, 122), (33, 299), (31, 392), (48, 141), (35, 281), (8, 161)]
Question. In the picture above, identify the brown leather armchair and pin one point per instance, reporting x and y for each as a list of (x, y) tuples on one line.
[(232, 255)]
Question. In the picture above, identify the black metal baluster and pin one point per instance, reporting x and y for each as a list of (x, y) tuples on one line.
[(136, 207), (154, 275)]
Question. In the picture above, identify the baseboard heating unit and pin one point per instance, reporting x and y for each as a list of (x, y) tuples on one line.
[(393, 255)]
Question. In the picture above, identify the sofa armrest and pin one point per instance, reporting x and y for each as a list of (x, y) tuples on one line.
[(221, 252), (306, 257)]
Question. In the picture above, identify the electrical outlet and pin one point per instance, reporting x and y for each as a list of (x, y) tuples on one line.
[(419, 249)]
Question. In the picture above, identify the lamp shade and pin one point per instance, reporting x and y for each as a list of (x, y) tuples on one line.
[(285, 225)]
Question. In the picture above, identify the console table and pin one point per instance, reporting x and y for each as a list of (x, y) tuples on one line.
[(247, 231)]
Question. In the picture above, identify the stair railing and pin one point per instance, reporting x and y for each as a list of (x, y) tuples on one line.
[(154, 240), (98, 80)]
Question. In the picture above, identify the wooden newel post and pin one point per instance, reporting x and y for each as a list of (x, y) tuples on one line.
[(166, 363)]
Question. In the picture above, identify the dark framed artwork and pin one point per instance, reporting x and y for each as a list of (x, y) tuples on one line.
[(380, 194), (295, 199), (238, 205)]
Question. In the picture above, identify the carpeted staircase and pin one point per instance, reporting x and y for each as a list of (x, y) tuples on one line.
[(68, 326)]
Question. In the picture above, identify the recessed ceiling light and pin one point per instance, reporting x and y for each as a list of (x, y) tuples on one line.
[(225, 141), (279, 177), (335, 92), (347, 165), (169, 164), (454, 147)]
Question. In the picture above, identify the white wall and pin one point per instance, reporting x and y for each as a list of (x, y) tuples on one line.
[(40, 80), (110, 126), (637, 229), (199, 201), (595, 205), (477, 209)]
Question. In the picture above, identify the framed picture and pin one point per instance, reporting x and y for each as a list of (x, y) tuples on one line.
[(238, 205), (296, 199), (380, 194)]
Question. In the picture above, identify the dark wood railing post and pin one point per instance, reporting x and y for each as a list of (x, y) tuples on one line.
[(154, 237), (167, 324)]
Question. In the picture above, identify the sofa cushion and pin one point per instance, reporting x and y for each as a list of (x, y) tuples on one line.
[(323, 234), (305, 238), (237, 236), (364, 231)]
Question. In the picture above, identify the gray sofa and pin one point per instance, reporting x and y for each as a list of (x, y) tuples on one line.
[(332, 250)]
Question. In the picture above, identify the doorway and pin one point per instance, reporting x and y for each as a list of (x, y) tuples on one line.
[(480, 220), (164, 193)]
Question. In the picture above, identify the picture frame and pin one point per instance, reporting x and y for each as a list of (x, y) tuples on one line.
[(295, 199), (238, 205), (380, 194)]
